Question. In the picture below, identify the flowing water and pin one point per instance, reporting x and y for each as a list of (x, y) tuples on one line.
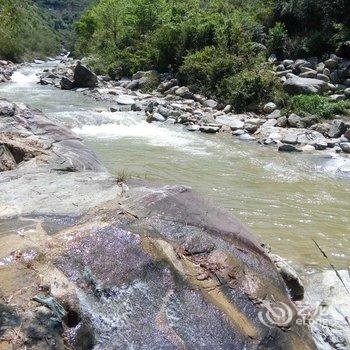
[(286, 200)]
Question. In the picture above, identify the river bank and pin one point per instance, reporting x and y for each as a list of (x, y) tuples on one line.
[(173, 104)]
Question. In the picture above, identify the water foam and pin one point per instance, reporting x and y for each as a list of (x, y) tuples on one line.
[(24, 79)]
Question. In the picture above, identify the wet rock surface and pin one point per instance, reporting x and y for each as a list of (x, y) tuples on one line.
[(36, 155)]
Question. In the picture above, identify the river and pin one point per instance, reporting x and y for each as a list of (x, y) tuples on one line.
[(286, 200)]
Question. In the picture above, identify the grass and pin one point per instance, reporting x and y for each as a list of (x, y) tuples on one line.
[(317, 105), (122, 176)]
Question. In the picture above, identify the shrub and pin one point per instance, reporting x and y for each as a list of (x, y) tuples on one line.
[(317, 105), (249, 89), (277, 40)]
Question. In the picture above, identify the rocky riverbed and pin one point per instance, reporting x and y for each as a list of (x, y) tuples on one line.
[(89, 262), (173, 104)]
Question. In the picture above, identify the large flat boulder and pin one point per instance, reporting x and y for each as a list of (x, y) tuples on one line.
[(297, 85), (169, 269), (45, 168)]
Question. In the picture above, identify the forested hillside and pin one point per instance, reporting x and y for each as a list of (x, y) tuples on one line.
[(25, 32), (217, 47), (36, 28), (62, 14)]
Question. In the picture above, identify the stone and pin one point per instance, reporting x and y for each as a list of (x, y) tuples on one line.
[(209, 129), (7, 161), (193, 127), (309, 120), (184, 92), (84, 77), (345, 147), (287, 63), (246, 137), (322, 128), (238, 132), (125, 100), (295, 121), (326, 291), (347, 92), (280, 68), (323, 77), (233, 122), (6, 108), (251, 127), (308, 148), (136, 107), (155, 117), (66, 83), (166, 85), (210, 103), (299, 85), (270, 107), (335, 77), (282, 122), (133, 84), (290, 138), (331, 64), (270, 122), (309, 74), (227, 109), (274, 115), (347, 134), (336, 98), (320, 67), (164, 111), (337, 128), (283, 74), (288, 148), (320, 144), (326, 72)]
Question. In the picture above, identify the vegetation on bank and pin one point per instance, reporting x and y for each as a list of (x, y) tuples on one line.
[(317, 105), (218, 47)]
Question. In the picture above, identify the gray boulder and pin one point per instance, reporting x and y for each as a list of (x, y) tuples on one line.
[(155, 117), (337, 129), (66, 83), (233, 122), (84, 77), (345, 147), (288, 148), (297, 85), (210, 103), (184, 92)]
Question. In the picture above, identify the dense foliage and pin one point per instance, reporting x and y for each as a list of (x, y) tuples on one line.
[(217, 47), (24, 32), (317, 105)]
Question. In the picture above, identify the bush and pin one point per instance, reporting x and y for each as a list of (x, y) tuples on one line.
[(277, 40), (249, 89), (316, 105)]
